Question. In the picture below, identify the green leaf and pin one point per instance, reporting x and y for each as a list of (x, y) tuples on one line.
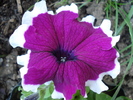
[(45, 91), (24, 93), (91, 95), (87, 89), (41, 91), (49, 98), (122, 98), (78, 96), (102, 96), (48, 91)]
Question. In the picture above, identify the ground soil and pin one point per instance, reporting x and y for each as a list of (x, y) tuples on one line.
[(11, 12)]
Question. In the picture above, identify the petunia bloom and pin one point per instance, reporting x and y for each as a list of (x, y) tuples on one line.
[(71, 53)]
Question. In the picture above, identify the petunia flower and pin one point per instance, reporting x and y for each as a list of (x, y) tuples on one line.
[(71, 53)]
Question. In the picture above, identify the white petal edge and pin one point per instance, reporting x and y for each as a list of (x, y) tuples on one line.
[(97, 85), (89, 19), (115, 39), (105, 26), (51, 12), (85, 95), (57, 95), (17, 38), (23, 60), (113, 73), (40, 7), (26, 87), (72, 8)]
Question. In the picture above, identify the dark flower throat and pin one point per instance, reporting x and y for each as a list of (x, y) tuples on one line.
[(63, 56)]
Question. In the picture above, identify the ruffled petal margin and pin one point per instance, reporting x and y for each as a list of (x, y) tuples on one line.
[(23, 60), (73, 8), (17, 38), (89, 19), (39, 8), (97, 85)]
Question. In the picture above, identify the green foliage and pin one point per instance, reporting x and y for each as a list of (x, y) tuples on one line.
[(62, 2), (91, 95), (102, 96), (1, 56), (122, 98), (78, 96), (114, 5), (84, 3), (24, 93), (130, 61), (45, 91)]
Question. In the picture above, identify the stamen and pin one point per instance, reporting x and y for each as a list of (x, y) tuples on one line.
[(63, 59)]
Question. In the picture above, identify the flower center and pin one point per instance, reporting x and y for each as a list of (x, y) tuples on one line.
[(63, 56)]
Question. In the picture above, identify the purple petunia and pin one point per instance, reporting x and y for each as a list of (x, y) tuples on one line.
[(71, 53)]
